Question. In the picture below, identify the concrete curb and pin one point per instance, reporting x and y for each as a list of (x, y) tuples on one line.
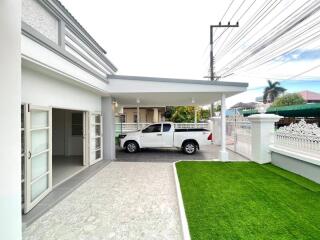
[(182, 213)]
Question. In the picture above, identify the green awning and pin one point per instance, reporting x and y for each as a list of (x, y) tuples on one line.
[(304, 110)]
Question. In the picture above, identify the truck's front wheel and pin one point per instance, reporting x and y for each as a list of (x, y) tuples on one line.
[(189, 148), (132, 147)]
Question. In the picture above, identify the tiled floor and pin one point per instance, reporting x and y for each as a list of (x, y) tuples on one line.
[(64, 167), (208, 152), (61, 191), (125, 200)]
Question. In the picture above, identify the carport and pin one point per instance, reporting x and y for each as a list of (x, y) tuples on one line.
[(135, 91)]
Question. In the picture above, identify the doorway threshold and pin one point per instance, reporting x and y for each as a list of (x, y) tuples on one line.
[(62, 191)]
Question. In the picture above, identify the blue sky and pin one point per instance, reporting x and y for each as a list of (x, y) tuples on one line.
[(301, 55)]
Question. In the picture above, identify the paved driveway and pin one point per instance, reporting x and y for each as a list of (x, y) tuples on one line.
[(208, 152), (125, 200)]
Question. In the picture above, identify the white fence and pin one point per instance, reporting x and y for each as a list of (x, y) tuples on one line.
[(239, 137), (299, 137), (129, 127)]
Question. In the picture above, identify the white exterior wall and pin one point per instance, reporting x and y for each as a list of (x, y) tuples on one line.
[(44, 90), (39, 18), (109, 147), (10, 98)]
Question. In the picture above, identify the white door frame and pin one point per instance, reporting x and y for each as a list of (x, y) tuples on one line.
[(29, 203), (91, 137)]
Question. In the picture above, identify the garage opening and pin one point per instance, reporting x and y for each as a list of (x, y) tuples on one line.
[(68, 144)]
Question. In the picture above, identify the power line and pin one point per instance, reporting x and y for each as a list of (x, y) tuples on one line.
[(269, 55), (267, 24), (259, 45), (226, 10), (304, 72)]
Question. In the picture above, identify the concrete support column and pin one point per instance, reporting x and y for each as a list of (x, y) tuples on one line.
[(195, 114), (109, 148), (10, 120), (261, 134), (155, 115), (223, 154), (138, 116), (216, 130)]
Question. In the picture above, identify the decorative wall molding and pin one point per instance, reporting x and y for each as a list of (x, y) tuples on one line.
[(299, 137), (301, 129)]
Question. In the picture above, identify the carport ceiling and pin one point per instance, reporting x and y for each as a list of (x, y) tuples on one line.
[(169, 91)]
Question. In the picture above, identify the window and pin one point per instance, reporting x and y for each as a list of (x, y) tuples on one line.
[(135, 118), (77, 124), (152, 129), (123, 118), (166, 127)]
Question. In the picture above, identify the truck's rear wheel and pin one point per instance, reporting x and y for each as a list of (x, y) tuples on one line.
[(132, 147), (189, 148)]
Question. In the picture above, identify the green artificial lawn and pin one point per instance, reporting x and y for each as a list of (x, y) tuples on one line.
[(248, 201)]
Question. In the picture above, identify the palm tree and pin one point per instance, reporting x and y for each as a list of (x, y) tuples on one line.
[(272, 91)]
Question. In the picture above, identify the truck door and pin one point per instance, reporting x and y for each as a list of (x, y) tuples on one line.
[(151, 136), (167, 135)]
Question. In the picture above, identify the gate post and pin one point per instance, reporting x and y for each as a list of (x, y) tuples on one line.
[(261, 130), (216, 130)]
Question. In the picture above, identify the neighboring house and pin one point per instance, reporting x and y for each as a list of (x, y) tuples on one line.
[(310, 97), (60, 111), (244, 106), (147, 114)]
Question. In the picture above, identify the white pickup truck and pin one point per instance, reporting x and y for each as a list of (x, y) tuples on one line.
[(164, 135)]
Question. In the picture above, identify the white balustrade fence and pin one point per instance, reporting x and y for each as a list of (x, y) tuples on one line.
[(129, 127), (239, 137), (299, 137)]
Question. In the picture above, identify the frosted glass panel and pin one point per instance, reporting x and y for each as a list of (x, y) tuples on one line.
[(93, 155), (39, 187), (93, 144), (39, 165), (97, 130), (98, 154), (39, 141), (39, 119), (98, 143)]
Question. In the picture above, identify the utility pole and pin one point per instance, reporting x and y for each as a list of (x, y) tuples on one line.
[(213, 76)]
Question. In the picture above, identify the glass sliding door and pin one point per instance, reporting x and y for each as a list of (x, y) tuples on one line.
[(38, 155), (95, 139)]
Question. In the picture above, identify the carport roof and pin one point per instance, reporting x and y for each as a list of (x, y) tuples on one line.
[(154, 91), (178, 80)]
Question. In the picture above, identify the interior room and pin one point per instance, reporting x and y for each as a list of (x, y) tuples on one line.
[(67, 144)]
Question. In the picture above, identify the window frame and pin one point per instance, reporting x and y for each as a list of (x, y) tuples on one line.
[(143, 131)]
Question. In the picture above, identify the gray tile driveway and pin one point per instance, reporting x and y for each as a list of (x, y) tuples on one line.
[(209, 152), (131, 198), (125, 200)]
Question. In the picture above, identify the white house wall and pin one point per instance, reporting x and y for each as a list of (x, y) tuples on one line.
[(10, 124), (44, 90)]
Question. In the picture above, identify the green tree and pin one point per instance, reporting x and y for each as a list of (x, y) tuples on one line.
[(186, 114), (272, 91), (288, 99)]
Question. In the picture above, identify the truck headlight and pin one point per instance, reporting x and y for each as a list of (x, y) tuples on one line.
[(122, 136)]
